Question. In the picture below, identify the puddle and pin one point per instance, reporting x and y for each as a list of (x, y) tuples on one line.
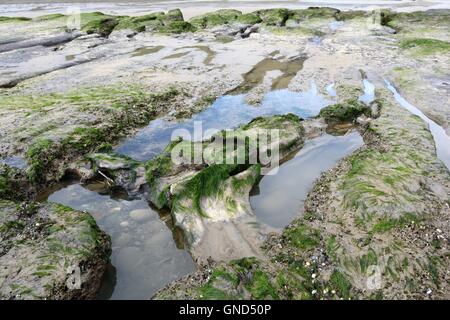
[(279, 198), (210, 54), (441, 139), (369, 92), (226, 112), (335, 25), (145, 256), (177, 55), (146, 50), (330, 90), (224, 39), (316, 40), (256, 76), (14, 162)]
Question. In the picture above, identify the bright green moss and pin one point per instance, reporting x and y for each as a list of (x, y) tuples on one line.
[(347, 111), (425, 47), (302, 236), (340, 283), (249, 18)]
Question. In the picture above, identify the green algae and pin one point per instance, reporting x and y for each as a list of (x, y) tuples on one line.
[(424, 46)]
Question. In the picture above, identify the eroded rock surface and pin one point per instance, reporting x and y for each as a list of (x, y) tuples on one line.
[(209, 199), (49, 251)]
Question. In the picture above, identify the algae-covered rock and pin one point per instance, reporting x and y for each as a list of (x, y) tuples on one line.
[(14, 19), (313, 13), (249, 18), (424, 46), (273, 17), (178, 27), (120, 171), (206, 184), (346, 111), (48, 251), (215, 18), (246, 278), (181, 159), (113, 110), (103, 27), (174, 15), (13, 183), (374, 227)]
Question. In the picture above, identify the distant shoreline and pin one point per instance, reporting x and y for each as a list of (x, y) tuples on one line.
[(190, 8)]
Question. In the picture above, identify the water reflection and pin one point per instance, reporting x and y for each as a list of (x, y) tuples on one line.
[(441, 139), (226, 112), (279, 198), (144, 253)]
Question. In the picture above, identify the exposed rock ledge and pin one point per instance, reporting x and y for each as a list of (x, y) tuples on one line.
[(49, 251)]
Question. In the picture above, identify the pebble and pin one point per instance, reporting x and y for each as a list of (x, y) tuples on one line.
[(140, 214), (124, 224), (314, 292), (429, 291), (313, 276)]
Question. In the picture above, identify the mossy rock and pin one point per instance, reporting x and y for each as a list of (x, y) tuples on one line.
[(410, 21), (424, 46), (273, 17), (215, 18), (313, 13), (121, 107), (349, 15), (38, 245), (178, 27), (347, 111), (174, 15), (49, 17), (14, 19), (249, 18), (13, 183), (103, 27), (140, 23), (162, 173)]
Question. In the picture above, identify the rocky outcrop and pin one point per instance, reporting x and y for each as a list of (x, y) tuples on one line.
[(48, 251), (212, 194), (375, 227)]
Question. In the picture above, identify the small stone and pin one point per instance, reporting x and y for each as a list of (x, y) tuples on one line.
[(307, 264), (333, 291), (313, 276), (314, 292), (439, 230), (124, 224), (429, 291), (140, 214)]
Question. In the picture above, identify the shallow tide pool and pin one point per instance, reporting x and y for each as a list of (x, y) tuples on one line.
[(146, 253), (278, 199), (226, 112)]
